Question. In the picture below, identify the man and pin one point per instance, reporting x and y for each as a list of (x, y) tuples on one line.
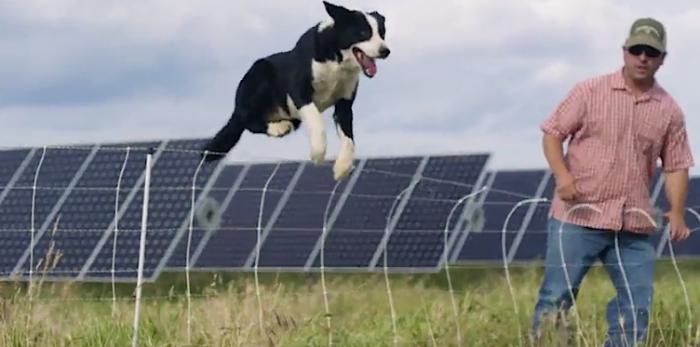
[(618, 125)]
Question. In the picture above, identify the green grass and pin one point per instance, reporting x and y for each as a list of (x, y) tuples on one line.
[(225, 310)]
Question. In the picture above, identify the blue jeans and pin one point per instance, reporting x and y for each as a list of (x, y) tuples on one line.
[(581, 247)]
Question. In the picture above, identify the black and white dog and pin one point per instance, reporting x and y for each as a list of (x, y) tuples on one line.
[(283, 90)]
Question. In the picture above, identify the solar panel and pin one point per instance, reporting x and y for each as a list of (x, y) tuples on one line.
[(507, 189), (90, 208), (233, 244), (27, 212), (214, 254), (534, 239), (359, 227), (170, 203), (217, 198), (419, 235), (12, 164), (298, 228)]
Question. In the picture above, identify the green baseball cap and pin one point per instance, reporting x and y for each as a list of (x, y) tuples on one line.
[(647, 31)]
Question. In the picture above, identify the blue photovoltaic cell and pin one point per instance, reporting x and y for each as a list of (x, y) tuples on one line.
[(90, 208), (507, 189), (233, 243), (58, 168), (419, 237), (360, 226), (300, 224), (169, 205), (10, 161)]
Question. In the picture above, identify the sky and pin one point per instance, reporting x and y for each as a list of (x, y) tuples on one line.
[(463, 76)]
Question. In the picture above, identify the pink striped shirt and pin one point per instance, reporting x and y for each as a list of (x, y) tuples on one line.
[(615, 142)]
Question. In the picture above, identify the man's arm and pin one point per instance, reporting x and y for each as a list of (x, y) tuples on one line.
[(564, 122), (554, 152), (677, 158), (677, 192)]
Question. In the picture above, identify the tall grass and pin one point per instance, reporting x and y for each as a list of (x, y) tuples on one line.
[(225, 310)]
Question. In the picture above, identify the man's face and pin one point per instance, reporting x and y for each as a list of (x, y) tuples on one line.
[(642, 62)]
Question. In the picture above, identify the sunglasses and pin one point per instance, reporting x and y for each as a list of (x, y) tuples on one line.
[(650, 52)]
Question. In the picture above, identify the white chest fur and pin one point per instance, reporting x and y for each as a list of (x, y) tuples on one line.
[(333, 81)]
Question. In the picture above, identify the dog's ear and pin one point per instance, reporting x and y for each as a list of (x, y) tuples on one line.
[(380, 19), (338, 13), (381, 22)]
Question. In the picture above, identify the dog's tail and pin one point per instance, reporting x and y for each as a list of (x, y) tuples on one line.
[(224, 140)]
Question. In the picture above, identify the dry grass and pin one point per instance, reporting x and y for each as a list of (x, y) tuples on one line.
[(225, 311)]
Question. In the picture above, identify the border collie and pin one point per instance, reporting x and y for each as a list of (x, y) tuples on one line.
[(283, 90)]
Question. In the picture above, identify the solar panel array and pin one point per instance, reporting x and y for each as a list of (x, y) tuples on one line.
[(74, 213), (61, 212)]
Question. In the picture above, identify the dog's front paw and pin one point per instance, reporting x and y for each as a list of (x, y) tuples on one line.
[(342, 167), (318, 149)]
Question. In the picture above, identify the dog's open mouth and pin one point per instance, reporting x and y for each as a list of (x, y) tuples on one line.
[(368, 65)]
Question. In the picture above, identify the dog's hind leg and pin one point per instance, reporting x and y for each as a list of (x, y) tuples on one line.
[(282, 127), (255, 97), (279, 128), (225, 139)]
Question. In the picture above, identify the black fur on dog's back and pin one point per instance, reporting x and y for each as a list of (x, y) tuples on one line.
[(255, 96)]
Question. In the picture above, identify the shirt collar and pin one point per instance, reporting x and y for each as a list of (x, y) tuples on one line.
[(618, 83)]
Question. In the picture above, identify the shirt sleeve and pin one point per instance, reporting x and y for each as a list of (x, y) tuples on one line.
[(676, 153), (568, 116)]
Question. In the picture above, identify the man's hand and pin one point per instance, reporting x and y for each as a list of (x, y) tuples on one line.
[(679, 231), (676, 183), (566, 187)]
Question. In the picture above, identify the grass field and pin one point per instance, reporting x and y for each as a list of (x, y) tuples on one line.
[(225, 310)]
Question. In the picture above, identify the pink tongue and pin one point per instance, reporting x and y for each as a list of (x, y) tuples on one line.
[(370, 67)]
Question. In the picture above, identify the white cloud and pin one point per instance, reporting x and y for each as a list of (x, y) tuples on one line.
[(463, 76)]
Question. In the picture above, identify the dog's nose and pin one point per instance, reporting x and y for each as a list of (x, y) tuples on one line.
[(384, 52)]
